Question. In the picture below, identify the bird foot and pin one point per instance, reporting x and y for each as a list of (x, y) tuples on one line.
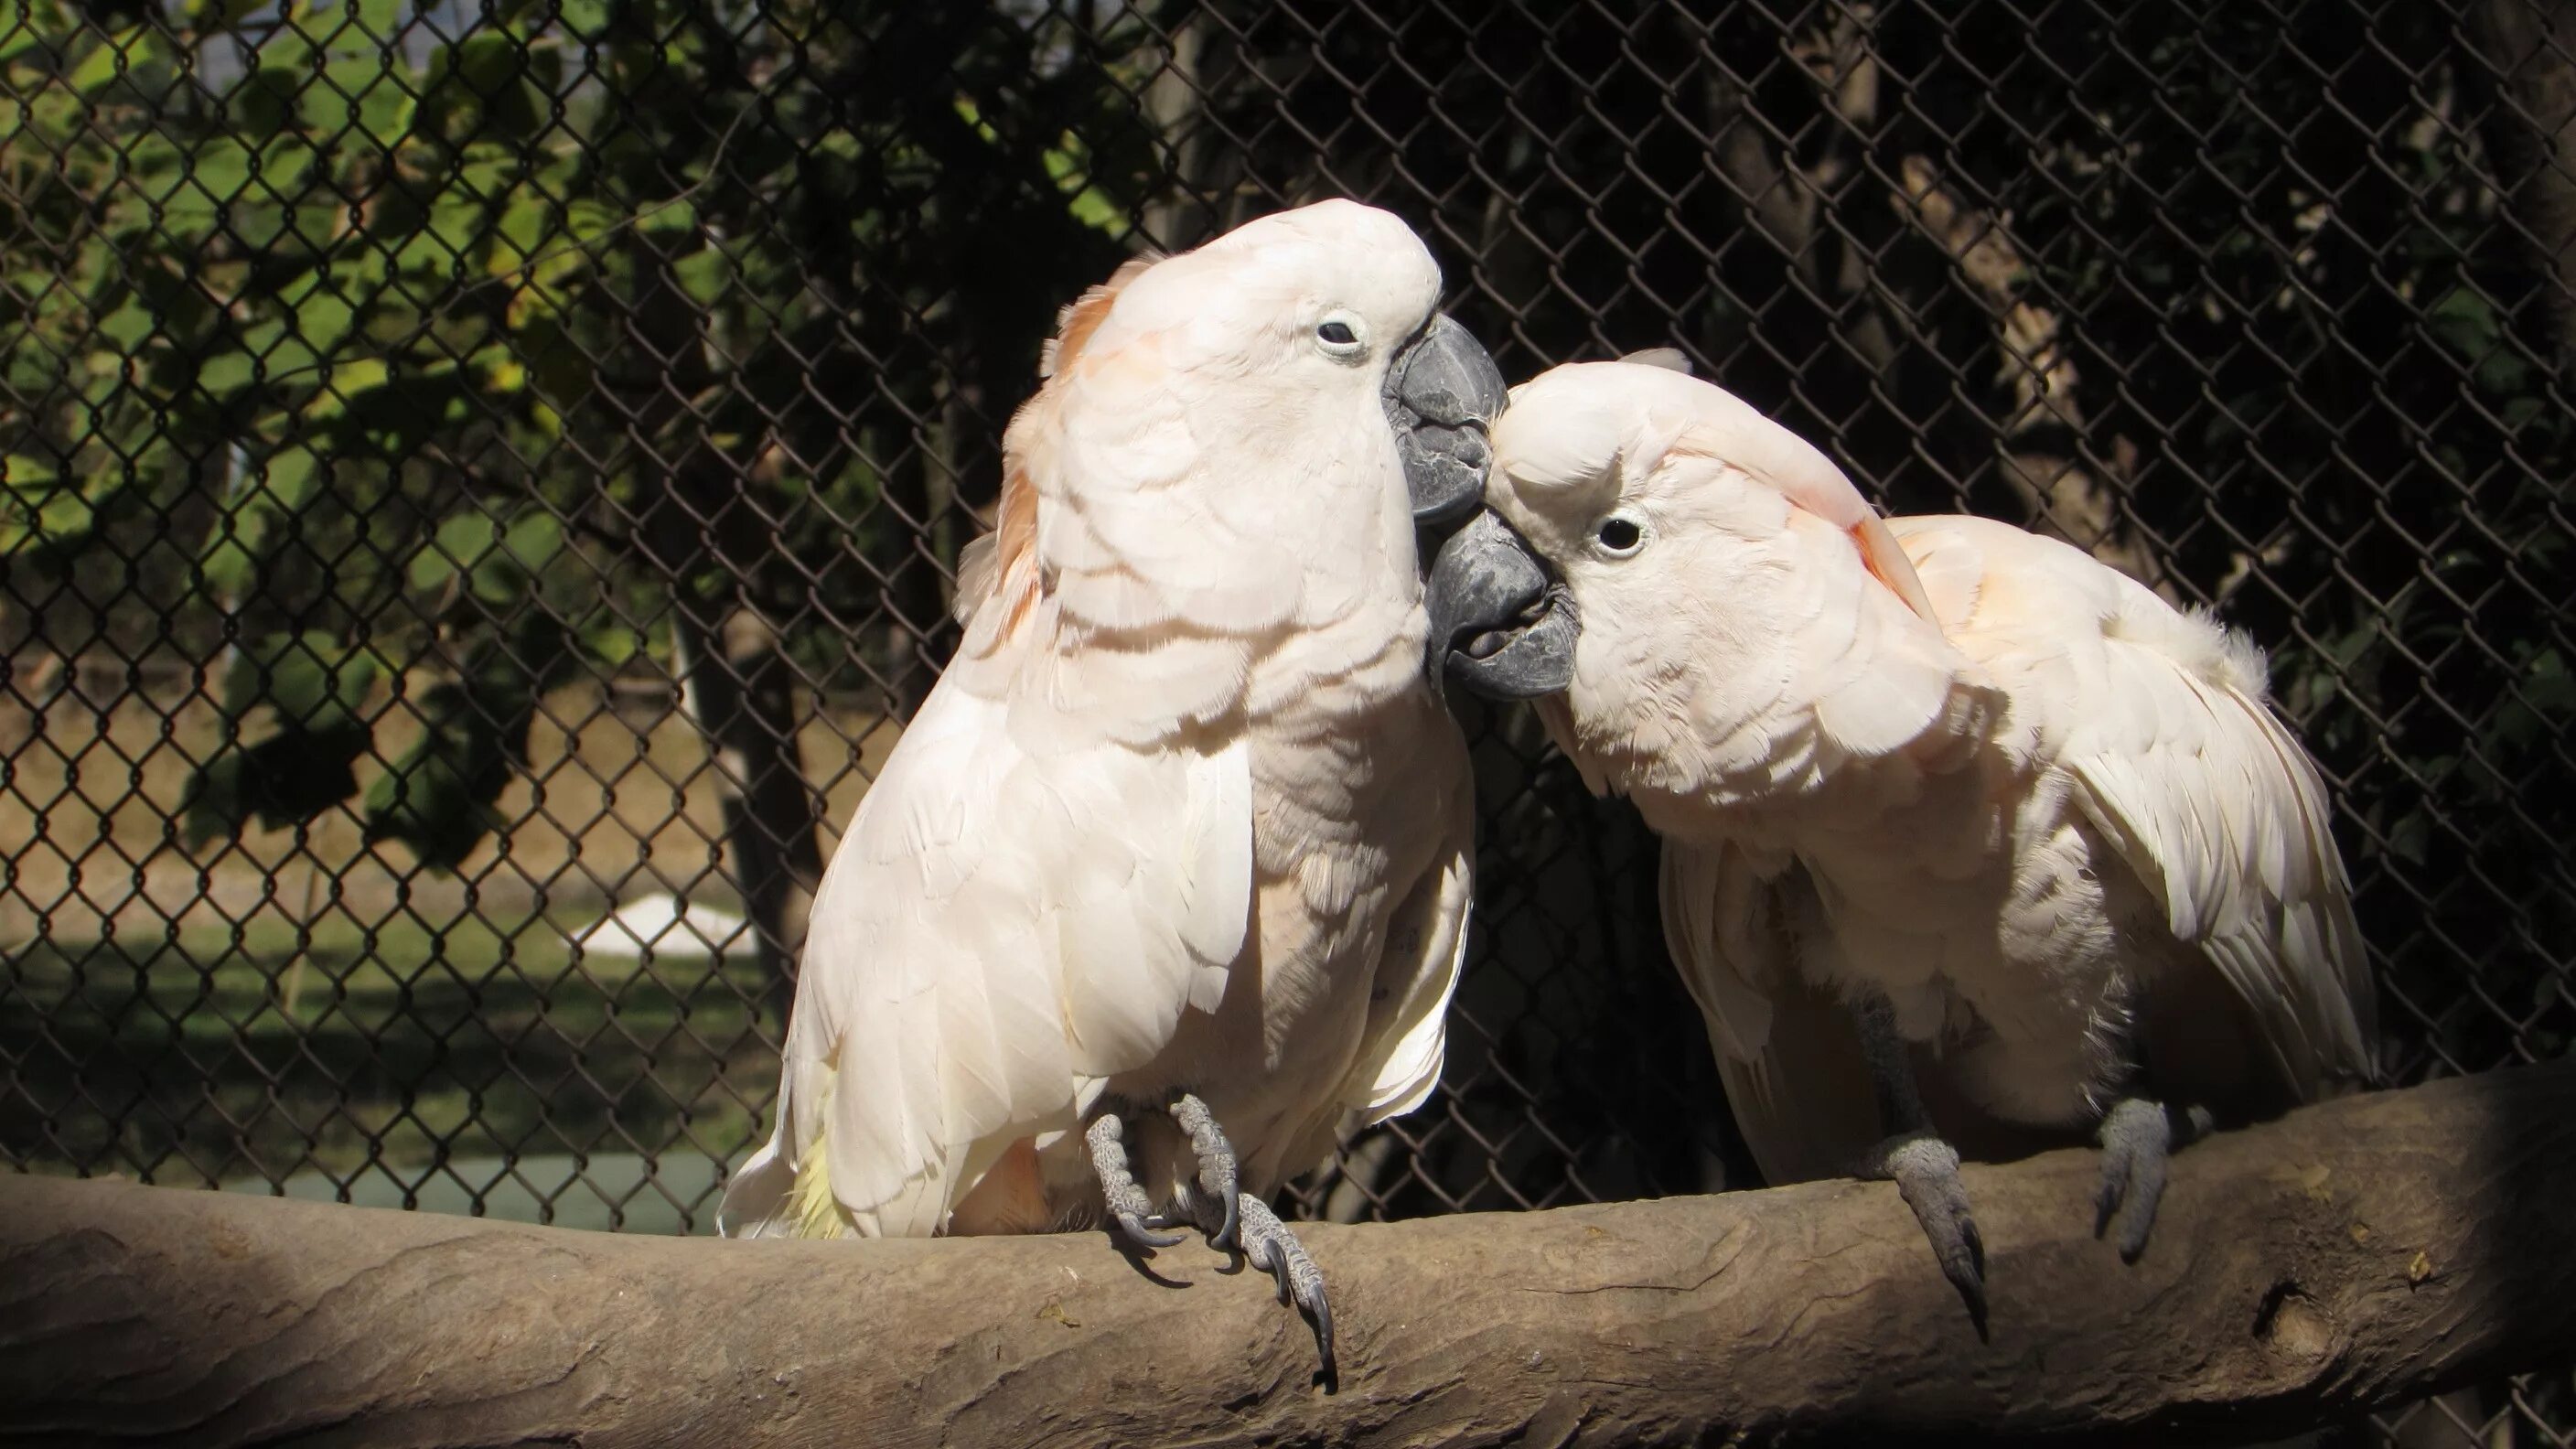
[(1217, 1176), (1129, 1207), (1925, 1170), (1265, 1242), (1235, 1221), (2138, 1137)]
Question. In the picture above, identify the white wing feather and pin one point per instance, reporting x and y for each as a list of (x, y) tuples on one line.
[(998, 931), (1785, 1050), (2204, 792), (1411, 1023), (2178, 761)]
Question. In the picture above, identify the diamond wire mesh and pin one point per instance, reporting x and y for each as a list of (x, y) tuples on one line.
[(473, 472)]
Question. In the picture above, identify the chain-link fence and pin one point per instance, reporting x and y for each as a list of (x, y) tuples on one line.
[(481, 486)]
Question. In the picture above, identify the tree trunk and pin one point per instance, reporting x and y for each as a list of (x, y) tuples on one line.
[(913, 602), (2355, 1255), (2529, 47), (1202, 192), (739, 690), (1842, 253), (736, 681), (2039, 441)]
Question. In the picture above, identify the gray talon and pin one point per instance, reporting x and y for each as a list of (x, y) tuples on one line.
[(1128, 1205), (1925, 1170), (1217, 1174), (2138, 1139), (1234, 1220), (1266, 1243)]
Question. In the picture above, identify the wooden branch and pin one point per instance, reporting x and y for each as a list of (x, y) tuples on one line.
[(2358, 1254)]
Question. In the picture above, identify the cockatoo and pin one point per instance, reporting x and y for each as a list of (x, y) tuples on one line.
[(1167, 882), (1967, 837)]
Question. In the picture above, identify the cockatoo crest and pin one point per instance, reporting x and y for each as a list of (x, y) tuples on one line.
[(1639, 484), (1614, 426), (1190, 404)]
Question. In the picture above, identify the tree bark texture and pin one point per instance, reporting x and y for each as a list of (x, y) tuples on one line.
[(736, 683), (2357, 1254), (2529, 47)]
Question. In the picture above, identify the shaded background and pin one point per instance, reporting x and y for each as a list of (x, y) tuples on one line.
[(479, 477)]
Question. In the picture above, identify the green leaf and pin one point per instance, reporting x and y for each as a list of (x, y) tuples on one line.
[(226, 373), (293, 706), (43, 510), (380, 18), (323, 319), (611, 640), (664, 218), (535, 542), (25, 26), (587, 19), (343, 383), (122, 52), (241, 535), (438, 797), (461, 543), (705, 275), (205, 16), (262, 101), (312, 680)]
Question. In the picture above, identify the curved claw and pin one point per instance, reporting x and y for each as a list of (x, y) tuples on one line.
[(1268, 1245), (1218, 1178), (2138, 1138), (1925, 1170), (1128, 1206), (1134, 1229)]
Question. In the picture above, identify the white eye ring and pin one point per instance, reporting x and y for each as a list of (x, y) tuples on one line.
[(1619, 536), (1342, 337)]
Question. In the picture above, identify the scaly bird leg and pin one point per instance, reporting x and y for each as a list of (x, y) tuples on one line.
[(2138, 1137), (1129, 1208), (1237, 1222), (1265, 1242), (1924, 1168), (1218, 1177)]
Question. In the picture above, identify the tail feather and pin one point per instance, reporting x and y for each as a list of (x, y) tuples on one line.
[(754, 1198)]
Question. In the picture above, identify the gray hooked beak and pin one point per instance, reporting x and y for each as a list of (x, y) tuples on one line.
[(1498, 626), (1442, 394)]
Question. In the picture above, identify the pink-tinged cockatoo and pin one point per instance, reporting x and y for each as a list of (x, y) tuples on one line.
[(1167, 882), (1967, 836)]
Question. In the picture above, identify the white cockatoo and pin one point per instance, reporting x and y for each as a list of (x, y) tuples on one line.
[(1167, 882), (1967, 837)]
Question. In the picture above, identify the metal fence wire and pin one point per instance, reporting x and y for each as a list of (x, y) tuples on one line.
[(482, 481)]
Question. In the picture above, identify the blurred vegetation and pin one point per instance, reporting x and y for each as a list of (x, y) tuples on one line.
[(353, 336), (388, 1052)]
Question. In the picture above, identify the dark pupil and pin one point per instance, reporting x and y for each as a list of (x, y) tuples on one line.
[(1337, 333), (1618, 534)]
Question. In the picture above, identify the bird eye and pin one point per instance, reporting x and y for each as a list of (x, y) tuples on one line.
[(1341, 338), (1619, 537)]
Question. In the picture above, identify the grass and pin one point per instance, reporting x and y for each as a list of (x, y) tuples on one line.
[(302, 1011), (402, 1054)]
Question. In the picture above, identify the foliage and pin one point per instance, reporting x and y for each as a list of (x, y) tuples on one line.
[(352, 337)]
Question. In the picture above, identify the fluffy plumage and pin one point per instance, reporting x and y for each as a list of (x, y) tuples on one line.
[(1181, 814), (2051, 818)]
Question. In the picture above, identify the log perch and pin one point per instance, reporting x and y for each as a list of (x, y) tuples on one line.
[(2352, 1256)]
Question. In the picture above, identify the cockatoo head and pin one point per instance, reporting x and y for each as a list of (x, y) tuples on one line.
[(1267, 433), (1298, 321), (1640, 536)]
